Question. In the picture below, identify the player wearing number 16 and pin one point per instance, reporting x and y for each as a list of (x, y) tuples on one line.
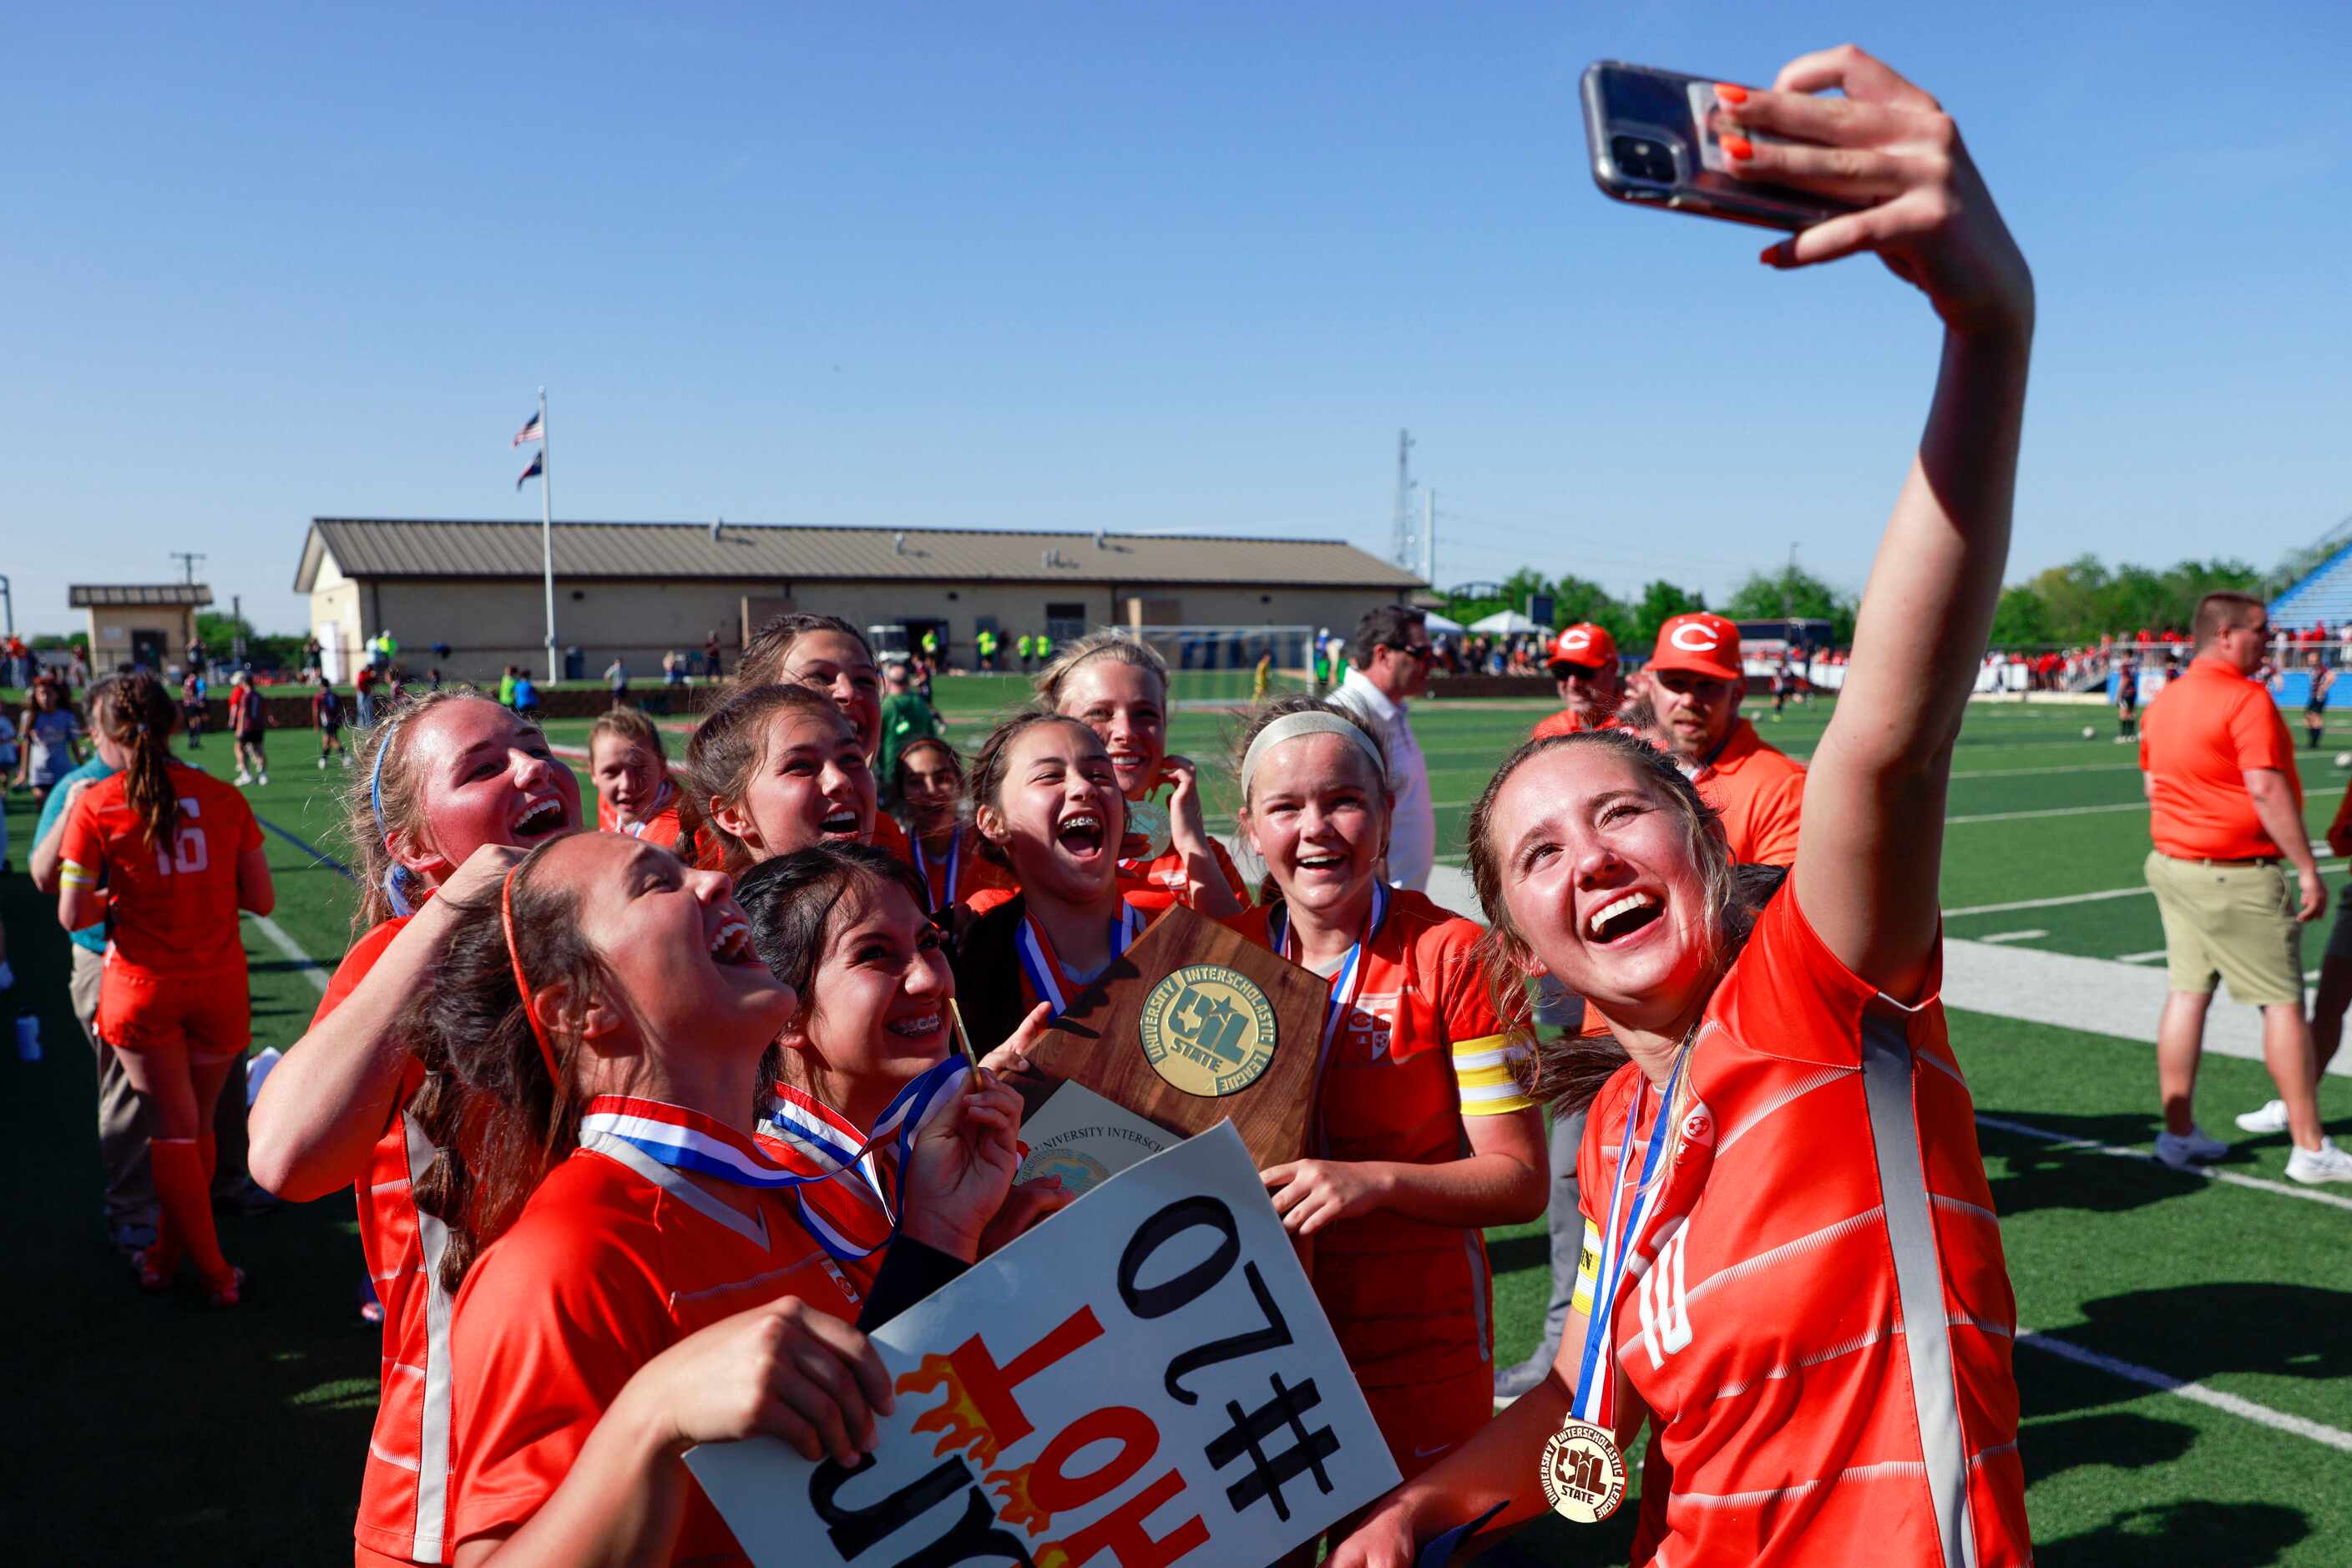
[(1798, 1281), (166, 857)]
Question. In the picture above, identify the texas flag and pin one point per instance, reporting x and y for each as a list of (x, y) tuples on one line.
[(538, 466), (533, 429)]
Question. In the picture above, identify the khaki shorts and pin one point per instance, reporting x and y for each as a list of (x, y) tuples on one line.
[(2229, 922)]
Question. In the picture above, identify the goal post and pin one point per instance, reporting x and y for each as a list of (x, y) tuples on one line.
[(1219, 663)]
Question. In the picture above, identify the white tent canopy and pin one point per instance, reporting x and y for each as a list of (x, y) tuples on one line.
[(1507, 623), (1437, 623)]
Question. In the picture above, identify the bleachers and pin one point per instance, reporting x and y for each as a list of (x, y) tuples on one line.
[(2323, 595)]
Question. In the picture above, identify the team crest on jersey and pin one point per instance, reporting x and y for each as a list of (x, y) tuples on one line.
[(1208, 1030)]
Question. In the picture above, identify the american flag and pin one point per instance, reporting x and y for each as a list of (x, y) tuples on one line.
[(538, 466), (533, 429)]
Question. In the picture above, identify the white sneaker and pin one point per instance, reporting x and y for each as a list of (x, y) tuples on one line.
[(242, 778), (265, 780), (2324, 1163), (2271, 1118), (322, 765), (2183, 1149)]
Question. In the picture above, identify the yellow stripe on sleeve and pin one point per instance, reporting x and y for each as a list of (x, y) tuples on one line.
[(1587, 1270), (73, 874), (1482, 1070)]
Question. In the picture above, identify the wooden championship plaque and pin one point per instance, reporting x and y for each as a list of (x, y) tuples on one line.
[(1192, 1025)]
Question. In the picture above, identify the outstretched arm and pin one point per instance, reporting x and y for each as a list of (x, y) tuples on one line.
[(1866, 872)]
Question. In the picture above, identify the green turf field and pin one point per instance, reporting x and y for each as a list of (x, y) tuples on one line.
[(2188, 1397)]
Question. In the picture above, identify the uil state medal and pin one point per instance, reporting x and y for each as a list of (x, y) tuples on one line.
[(1208, 1030), (1583, 1473)]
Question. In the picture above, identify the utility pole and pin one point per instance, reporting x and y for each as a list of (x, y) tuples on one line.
[(1401, 548), (237, 630), (1429, 539), (8, 601), (547, 544), (187, 560)]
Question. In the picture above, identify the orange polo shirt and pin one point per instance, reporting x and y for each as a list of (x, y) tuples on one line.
[(1760, 791), (2204, 730)]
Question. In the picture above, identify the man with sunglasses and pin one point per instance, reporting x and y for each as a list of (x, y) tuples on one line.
[(1388, 664), (1582, 663)]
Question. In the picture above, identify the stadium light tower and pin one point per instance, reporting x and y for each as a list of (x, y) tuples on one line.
[(1404, 548)]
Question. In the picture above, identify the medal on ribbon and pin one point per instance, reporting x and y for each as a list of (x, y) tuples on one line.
[(1148, 836)]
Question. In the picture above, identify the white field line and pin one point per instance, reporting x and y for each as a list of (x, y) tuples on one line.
[(303, 961), (2013, 936), (2040, 773), (2150, 956), (2140, 806), (2244, 1409), (2211, 1174), (2051, 903)]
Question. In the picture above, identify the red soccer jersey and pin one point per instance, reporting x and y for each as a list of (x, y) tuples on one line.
[(1818, 1317), (404, 1489), (662, 828), (615, 1259), (960, 872), (172, 905), (1420, 1047), (1152, 885)]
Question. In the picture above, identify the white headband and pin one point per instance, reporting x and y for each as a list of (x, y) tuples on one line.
[(1290, 726)]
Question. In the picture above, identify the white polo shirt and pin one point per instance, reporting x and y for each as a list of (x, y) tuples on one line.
[(1413, 823)]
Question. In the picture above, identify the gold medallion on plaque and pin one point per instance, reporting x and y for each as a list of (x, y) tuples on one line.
[(1208, 1030), (1583, 1473)]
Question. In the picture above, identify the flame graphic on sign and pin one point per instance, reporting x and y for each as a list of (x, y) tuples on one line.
[(1017, 1505), (1053, 1554), (956, 1417)]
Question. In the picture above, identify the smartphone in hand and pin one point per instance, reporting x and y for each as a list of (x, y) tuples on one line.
[(1652, 143)]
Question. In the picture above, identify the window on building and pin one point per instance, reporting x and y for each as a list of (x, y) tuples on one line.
[(1066, 623)]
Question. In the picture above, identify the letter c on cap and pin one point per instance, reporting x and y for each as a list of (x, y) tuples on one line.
[(1576, 640), (1693, 636)]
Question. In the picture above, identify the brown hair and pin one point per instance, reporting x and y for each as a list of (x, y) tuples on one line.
[(1569, 1070), (629, 725), (397, 787), (140, 720), (984, 784), (729, 747), (764, 657), (2218, 613), (1117, 646)]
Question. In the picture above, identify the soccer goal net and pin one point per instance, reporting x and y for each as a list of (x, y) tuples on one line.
[(1220, 664)]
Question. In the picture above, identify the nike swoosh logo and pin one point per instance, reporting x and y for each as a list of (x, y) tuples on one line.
[(1426, 1453)]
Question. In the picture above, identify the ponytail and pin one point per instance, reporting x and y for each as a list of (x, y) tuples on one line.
[(139, 720)]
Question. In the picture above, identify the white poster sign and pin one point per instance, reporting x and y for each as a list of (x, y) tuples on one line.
[(1145, 1379)]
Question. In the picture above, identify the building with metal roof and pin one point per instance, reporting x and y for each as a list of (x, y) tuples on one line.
[(147, 624), (637, 589)]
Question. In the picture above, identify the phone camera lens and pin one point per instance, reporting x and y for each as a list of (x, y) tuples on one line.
[(1639, 158)]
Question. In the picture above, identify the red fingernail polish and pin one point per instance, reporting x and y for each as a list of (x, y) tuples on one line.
[(1739, 147), (1730, 93), (1770, 256)]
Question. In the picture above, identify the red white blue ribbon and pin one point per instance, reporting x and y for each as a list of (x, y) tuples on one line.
[(955, 868), (1047, 981)]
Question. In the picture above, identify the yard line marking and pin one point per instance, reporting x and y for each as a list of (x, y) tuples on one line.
[(2140, 892), (2150, 956), (2230, 1178), (309, 966), (2053, 811), (2013, 936), (2244, 1409), (2038, 773)]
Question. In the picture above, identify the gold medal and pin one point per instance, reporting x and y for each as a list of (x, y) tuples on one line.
[(1583, 1473), (1147, 824)]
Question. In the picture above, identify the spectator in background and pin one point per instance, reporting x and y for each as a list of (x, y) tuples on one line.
[(363, 687), (1582, 663), (1695, 683), (526, 695), (246, 726), (617, 678), (1392, 653), (50, 738), (191, 707), (505, 686), (327, 718), (19, 663), (2225, 806), (710, 655), (907, 717), (984, 642), (1025, 645), (2315, 702)]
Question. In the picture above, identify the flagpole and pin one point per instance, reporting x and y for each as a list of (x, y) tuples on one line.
[(547, 542)]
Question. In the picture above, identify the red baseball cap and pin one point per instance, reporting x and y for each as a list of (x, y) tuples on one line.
[(1701, 643), (1582, 644)]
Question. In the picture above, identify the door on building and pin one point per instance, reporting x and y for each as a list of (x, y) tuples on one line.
[(917, 626), (1065, 624), (149, 647)]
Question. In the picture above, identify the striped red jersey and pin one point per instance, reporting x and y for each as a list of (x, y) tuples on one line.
[(614, 1259), (170, 903), (1151, 884), (1819, 1319), (1421, 1049), (662, 828), (404, 1489)]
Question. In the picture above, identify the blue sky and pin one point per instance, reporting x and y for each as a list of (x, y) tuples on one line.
[(1120, 265)]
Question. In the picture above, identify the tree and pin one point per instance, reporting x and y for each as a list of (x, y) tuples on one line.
[(1661, 602), (1792, 592), (2021, 619)]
